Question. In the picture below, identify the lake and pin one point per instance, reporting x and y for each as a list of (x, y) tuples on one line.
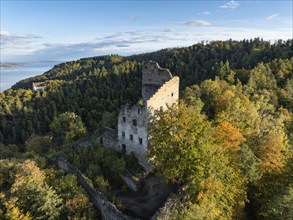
[(10, 76)]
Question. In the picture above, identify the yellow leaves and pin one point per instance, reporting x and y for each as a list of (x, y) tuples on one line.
[(28, 174), (77, 203), (211, 200), (28, 196), (271, 153), (229, 137), (209, 187), (223, 101), (13, 212)]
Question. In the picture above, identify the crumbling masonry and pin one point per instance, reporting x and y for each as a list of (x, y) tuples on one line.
[(159, 89)]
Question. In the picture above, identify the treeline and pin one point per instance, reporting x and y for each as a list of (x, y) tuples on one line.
[(94, 88)]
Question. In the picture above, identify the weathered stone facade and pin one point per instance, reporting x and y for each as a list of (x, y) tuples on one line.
[(132, 131), (167, 94), (159, 89)]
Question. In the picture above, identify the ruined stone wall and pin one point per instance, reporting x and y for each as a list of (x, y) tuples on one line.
[(108, 210), (166, 95), (153, 77), (173, 203), (132, 131), (130, 180)]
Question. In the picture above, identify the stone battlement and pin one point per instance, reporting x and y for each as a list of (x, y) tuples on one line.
[(152, 73), (153, 77)]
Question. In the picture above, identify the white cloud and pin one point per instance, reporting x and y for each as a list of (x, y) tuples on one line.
[(230, 5), (271, 17), (14, 43), (204, 13), (4, 34), (7, 36), (198, 23)]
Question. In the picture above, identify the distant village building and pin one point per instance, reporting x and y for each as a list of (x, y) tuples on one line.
[(159, 89), (39, 85)]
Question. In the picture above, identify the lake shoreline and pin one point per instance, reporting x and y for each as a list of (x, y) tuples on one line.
[(9, 76)]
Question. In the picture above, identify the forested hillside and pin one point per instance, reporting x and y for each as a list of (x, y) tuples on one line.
[(233, 131), (93, 87)]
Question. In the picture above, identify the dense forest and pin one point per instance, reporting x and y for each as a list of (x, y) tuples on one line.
[(232, 134)]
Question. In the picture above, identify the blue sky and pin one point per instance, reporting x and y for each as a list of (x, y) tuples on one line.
[(68, 30)]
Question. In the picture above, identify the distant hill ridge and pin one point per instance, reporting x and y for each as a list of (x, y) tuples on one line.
[(195, 63)]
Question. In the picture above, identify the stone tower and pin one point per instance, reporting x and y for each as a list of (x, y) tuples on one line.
[(159, 89)]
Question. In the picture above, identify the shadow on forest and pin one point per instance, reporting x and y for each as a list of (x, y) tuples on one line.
[(145, 202)]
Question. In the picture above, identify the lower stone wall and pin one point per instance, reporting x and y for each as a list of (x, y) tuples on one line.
[(166, 211), (130, 180), (107, 209)]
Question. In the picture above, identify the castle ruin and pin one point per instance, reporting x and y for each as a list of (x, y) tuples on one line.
[(159, 89)]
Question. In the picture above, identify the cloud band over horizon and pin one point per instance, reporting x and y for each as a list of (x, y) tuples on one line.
[(127, 43), (34, 33)]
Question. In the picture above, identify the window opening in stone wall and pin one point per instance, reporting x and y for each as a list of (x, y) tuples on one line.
[(140, 140), (134, 122), (123, 134), (123, 148), (131, 137), (172, 94), (124, 119)]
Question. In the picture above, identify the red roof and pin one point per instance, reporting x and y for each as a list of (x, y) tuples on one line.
[(38, 84)]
